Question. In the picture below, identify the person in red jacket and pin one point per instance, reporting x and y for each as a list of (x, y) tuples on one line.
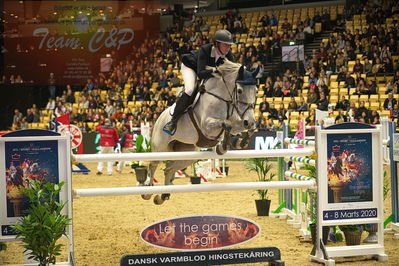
[(126, 142), (108, 140)]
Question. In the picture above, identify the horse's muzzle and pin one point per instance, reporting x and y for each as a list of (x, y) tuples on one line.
[(248, 124)]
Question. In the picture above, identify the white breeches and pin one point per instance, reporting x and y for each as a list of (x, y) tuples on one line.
[(189, 78), (104, 150)]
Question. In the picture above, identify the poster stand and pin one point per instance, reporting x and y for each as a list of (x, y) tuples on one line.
[(28, 155), (350, 187)]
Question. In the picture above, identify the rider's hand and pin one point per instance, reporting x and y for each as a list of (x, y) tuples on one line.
[(220, 61), (216, 72)]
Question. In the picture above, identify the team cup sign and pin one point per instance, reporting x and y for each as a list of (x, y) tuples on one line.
[(75, 40), (203, 232)]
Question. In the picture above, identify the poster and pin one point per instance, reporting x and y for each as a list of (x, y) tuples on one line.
[(26, 161), (200, 232), (349, 168)]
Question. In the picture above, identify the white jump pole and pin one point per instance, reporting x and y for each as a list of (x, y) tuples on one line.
[(121, 191), (195, 155)]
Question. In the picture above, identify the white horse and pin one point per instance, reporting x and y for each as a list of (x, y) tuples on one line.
[(226, 106)]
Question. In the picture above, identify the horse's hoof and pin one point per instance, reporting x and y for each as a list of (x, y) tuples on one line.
[(146, 196), (220, 150), (158, 200), (165, 196)]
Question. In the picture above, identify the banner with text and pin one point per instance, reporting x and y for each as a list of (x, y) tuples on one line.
[(74, 40)]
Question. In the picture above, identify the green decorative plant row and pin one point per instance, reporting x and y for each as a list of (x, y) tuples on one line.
[(44, 223)]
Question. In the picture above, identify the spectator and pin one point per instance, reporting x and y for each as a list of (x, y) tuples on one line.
[(343, 104), (273, 112), (108, 140), (358, 67), (341, 118), (264, 106), (322, 103), (312, 95), (282, 113), (377, 67), (292, 105), (367, 66), (51, 82), (126, 141), (349, 81), (50, 104), (390, 102), (17, 116), (303, 106), (273, 20), (29, 116)]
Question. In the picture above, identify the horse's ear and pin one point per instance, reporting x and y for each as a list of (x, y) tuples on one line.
[(257, 73), (241, 73)]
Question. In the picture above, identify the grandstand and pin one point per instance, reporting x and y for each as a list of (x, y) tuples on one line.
[(334, 37)]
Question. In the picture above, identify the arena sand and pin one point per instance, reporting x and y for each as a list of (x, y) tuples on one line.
[(106, 228)]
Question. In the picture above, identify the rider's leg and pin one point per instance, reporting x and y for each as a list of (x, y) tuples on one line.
[(189, 77)]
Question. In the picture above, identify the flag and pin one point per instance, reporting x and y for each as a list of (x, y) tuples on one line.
[(63, 119)]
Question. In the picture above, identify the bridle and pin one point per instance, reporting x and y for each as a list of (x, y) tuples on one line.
[(232, 103)]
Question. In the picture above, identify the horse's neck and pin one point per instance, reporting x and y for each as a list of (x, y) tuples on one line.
[(214, 102)]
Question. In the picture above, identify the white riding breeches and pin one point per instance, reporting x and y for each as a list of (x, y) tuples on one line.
[(189, 78), (105, 150)]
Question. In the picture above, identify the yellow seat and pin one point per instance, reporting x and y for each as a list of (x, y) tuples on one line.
[(278, 100), (374, 106), (333, 98), (385, 113), (374, 98), (364, 98), (354, 98)]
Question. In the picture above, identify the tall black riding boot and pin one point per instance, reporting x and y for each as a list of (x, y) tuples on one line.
[(182, 103)]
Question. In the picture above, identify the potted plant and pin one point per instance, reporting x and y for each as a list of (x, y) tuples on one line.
[(262, 167), (353, 233), (44, 223), (140, 167)]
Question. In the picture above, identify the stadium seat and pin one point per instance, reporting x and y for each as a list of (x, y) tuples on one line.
[(374, 98), (374, 106)]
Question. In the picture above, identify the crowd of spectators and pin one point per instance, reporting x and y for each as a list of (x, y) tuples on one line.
[(376, 44), (156, 61)]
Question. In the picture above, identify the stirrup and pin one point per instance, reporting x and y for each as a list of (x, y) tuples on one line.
[(166, 129)]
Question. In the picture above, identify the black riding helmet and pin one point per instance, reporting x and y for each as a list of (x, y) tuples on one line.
[(223, 36)]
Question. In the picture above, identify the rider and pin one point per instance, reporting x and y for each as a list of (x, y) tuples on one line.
[(194, 64)]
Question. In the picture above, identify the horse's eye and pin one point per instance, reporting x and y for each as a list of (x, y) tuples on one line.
[(239, 91)]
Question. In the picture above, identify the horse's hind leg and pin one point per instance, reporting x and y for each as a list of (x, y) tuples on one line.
[(153, 166), (170, 169)]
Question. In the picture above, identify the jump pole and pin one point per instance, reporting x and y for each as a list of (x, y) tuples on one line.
[(122, 191), (194, 155)]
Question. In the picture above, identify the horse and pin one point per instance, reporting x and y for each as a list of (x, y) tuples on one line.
[(226, 105)]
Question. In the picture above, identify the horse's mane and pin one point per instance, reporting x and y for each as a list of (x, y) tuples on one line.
[(228, 67)]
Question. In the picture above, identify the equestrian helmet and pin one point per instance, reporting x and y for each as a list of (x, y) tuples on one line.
[(223, 36)]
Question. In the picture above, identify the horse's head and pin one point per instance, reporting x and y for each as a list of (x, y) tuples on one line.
[(246, 89), (241, 86)]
